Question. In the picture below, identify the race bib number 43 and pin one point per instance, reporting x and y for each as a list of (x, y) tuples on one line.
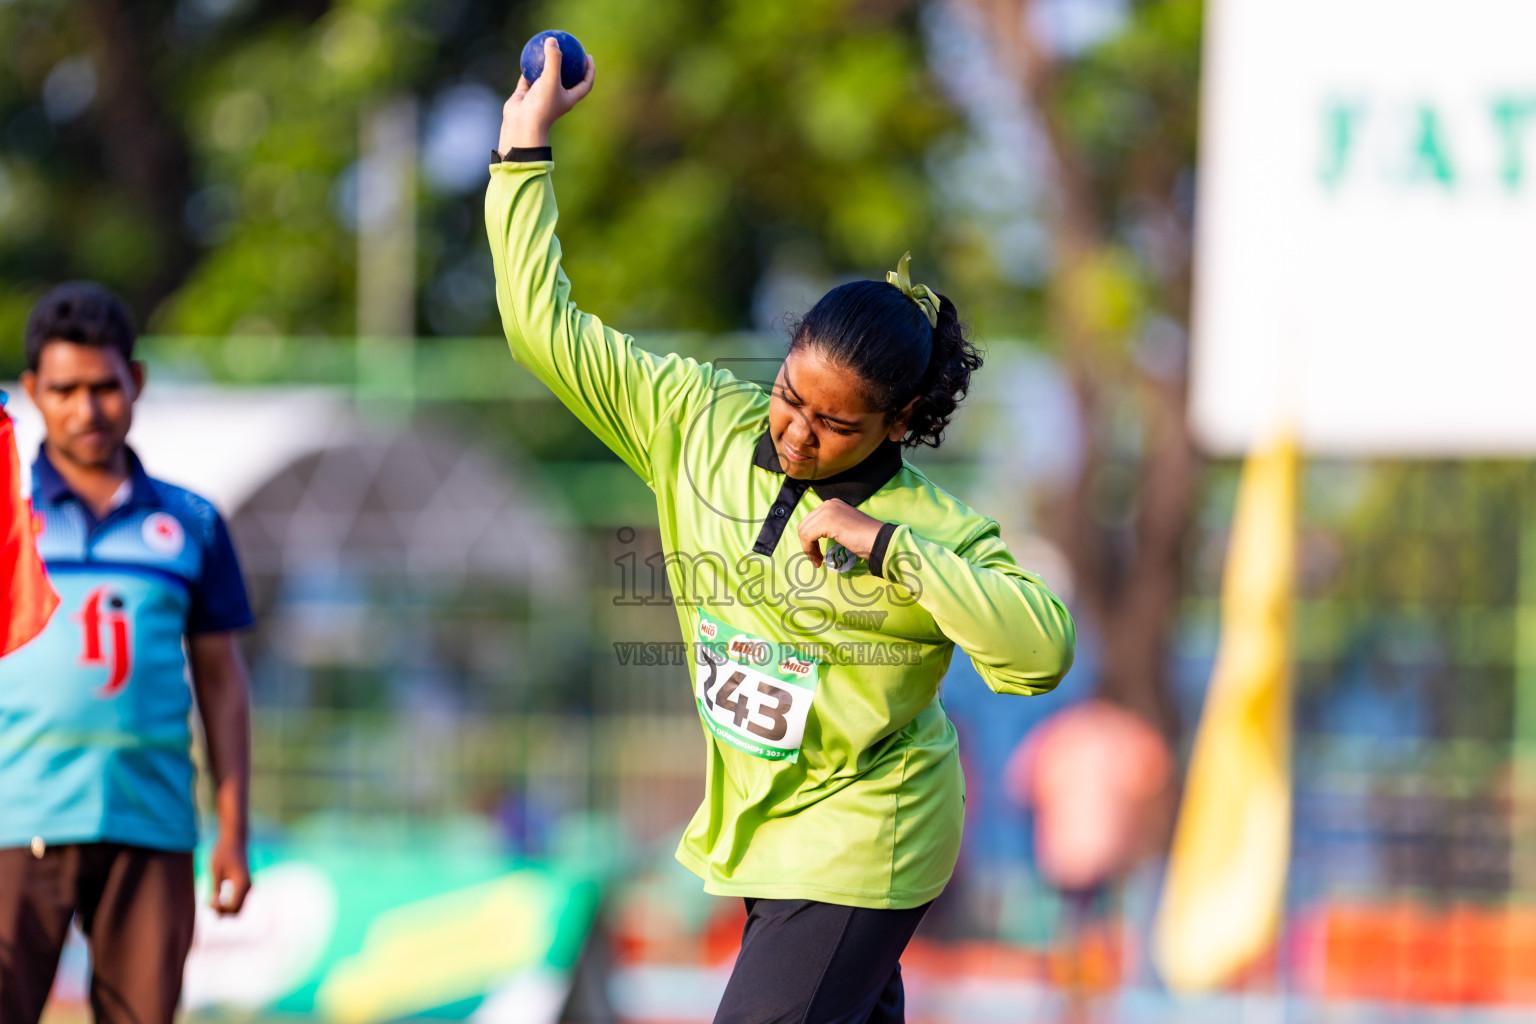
[(753, 694)]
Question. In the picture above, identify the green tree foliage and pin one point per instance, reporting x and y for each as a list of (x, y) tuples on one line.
[(1130, 105), (1118, 119), (201, 156), (719, 132)]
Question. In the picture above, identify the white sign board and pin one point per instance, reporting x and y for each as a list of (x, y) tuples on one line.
[(1366, 240)]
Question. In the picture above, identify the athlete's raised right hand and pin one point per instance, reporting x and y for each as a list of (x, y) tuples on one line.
[(528, 112)]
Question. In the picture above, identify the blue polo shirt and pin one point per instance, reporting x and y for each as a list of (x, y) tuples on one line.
[(95, 732)]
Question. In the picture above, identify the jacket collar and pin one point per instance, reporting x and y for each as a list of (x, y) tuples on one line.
[(49, 485), (853, 485)]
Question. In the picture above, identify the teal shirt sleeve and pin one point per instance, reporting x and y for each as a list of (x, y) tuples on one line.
[(1019, 634), (621, 392)]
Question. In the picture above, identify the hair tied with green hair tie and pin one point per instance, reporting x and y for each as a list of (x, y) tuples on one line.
[(926, 298)]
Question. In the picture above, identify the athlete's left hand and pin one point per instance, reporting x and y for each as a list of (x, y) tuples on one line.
[(840, 521), (231, 876)]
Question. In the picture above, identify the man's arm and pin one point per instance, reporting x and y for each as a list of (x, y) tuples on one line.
[(223, 699)]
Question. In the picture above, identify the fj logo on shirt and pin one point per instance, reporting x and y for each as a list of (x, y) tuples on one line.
[(753, 695), (105, 639)]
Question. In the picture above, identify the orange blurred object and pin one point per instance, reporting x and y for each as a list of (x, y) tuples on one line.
[(1410, 953), (1092, 773)]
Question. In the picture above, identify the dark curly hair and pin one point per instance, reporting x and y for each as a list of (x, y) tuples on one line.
[(82, 312), (879, 333)]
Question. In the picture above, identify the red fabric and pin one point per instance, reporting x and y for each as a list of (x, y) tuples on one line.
[(26, 597)]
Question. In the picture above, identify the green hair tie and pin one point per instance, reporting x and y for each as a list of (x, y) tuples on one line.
[(926, 298)]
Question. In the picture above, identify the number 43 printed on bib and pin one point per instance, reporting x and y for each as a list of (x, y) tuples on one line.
[(753, 694)]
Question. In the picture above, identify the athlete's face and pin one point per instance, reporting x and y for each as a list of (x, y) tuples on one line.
[(85, 394), (819, 420)]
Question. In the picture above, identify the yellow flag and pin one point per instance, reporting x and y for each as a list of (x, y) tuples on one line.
[(1223, 893)]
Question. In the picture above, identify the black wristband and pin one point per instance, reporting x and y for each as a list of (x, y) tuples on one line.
[(520, 155), (877, 550)]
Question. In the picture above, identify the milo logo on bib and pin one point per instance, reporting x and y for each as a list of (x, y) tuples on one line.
[(753, 694)]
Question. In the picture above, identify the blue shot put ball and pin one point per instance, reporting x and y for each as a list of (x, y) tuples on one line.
[(573, 59)]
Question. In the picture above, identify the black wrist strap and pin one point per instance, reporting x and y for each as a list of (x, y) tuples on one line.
[(522, 155)]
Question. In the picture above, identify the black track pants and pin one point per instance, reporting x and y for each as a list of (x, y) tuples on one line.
[(135, 907), (804, 962)]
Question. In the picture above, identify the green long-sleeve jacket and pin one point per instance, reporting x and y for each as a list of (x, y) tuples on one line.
[(832, 770)]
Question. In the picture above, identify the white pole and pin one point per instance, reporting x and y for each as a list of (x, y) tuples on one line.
[(386, 253)]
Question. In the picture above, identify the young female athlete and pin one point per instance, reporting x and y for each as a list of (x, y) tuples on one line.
[(824, 582)]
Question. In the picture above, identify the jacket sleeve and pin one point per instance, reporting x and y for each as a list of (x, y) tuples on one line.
[(1018, 633), (621, 392)]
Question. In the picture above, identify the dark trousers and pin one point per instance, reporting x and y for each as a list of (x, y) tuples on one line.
[(136, 908), (804, 962)]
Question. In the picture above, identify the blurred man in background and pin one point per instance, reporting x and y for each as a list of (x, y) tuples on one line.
[(96, 779), (1098, 780)]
